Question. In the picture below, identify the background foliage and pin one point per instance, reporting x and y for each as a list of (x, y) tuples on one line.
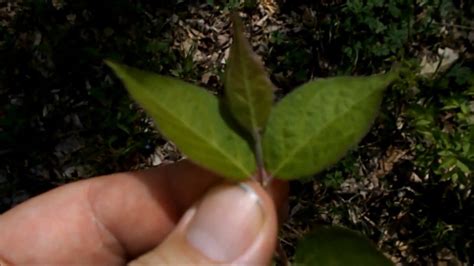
[(409, 184)]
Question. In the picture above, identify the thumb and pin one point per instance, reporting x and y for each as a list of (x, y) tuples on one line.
[(232, 224)]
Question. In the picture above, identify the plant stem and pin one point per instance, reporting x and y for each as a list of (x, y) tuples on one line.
[(282, 254)]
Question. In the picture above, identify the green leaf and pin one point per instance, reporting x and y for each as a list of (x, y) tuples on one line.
[(190, 117), (248, 90), (317, 123), (337, 246)]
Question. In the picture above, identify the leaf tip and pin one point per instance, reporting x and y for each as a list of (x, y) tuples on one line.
[(237, 24), (394, 72), (121, 71), (112, 64), (235, 17)]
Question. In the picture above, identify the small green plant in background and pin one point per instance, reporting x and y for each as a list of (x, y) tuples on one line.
[(444, 126), (245, 135)]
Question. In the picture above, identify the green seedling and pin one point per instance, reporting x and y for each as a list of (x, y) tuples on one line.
[(245, 135)]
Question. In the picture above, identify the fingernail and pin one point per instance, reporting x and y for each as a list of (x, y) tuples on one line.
[(226, 222)]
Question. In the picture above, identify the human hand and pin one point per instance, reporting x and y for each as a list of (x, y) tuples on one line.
[(173, 214)]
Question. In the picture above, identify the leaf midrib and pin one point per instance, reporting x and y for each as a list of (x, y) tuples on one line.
[(305, 143), (202, 138), (247, 89)]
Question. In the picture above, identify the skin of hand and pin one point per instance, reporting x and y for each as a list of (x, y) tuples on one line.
[(169, 215)]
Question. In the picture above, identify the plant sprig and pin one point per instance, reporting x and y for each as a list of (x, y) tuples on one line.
[(304, 133)]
